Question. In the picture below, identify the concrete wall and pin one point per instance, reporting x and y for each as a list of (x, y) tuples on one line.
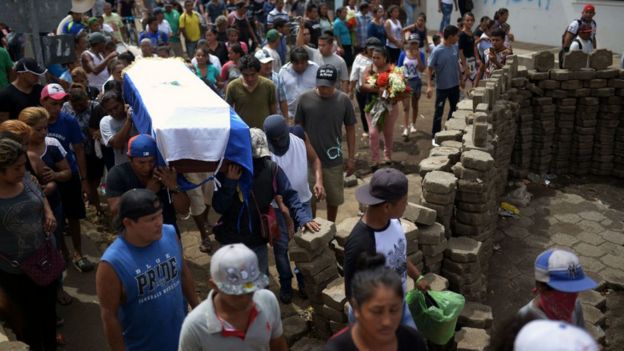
[(543, 21)]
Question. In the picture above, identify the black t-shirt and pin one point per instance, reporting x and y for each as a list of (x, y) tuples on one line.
[(466, 44), (220, 52), (315, 31), (122, 178), (126, 8), (477, 33), (408, 339), (360, 242), (14, 101)]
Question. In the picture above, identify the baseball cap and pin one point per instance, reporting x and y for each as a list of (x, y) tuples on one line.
[(561, 270), (272, 35), (234, 269), (413, 38), (30, 65), (373, 42), (277, 133), (92, 20), (96, 38), (589, 8), (259, 145), (142, 145), (53, 91), (387, 184), (263, 56), (547, 335), (136, 203), (326, 76)]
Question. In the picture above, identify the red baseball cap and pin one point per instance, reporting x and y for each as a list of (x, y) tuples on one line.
[(589, 8), (53, 91)]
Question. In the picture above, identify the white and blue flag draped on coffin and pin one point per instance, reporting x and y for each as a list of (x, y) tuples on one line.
[(186, 118)]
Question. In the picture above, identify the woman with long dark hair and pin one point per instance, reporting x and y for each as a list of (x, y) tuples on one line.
[(394, 33)]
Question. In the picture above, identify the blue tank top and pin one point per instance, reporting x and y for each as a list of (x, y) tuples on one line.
[(152, 316)]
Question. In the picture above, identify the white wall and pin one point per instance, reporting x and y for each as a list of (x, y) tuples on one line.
[(543, 21)]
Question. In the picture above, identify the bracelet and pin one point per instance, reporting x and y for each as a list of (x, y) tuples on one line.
[(420, 277)]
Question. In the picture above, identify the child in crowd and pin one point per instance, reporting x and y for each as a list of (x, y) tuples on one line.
[(496, 56), (436, 40), (413, 62)]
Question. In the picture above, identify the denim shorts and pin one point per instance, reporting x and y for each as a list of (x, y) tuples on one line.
[(415, 85)]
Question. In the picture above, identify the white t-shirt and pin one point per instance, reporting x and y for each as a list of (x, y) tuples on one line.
[(165, 28), (357, 70), (277, 60), (201, 330), (391, 243), (110, 126), (294, 163), (448, 2), (574, 27), (587, 46)]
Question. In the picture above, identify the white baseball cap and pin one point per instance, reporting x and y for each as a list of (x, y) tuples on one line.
[(561, 270), (234, 269), (263, 56), (547, 335)]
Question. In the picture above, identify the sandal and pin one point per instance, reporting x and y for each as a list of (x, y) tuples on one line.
[(206, 246), (63, 298), (83, 265)]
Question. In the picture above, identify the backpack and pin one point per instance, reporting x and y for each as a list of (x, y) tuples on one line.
[(579, 22)]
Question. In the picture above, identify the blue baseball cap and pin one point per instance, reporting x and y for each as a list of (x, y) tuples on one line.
[(278, 135), (561, 270), (142, 145)]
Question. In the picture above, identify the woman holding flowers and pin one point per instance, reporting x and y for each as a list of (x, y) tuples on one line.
[(386, 85)]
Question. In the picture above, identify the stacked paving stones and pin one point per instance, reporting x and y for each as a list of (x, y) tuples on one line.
[(438, 193), (430, 237), (573, 124), (462, 267), (334, 301), (475, 323), (317, 263)]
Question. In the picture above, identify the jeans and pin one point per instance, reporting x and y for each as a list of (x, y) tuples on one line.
[(280, 250), (410, 11), (452, 94), (406, 320), (447, 9), (191, 47), (262, 253)]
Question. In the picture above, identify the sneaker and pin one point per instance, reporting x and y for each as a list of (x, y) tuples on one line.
[(405, 133), (433, 142), (83, 265), (412, 128)]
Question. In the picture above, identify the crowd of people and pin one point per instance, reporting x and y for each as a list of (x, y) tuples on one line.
[(290, 71)]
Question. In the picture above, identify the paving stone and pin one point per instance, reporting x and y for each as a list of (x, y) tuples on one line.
[(439, 199), (596, 332), (575, 60), (334, 294), (439, 182), (436, 163), (333, 315), (564, 239), (516, 231), (613, 249), (472, 339), (613, 277), (593, 298), (450, 152), (434, 250), (590, 238), (613, 261), (527, 211), (436, 282), (448, 135), (318, 264), (475, 315), (314, 241), (308, 344), (295, 328), (593, 316), (461, 268), (477, 160), (419, 214), (14, 346), (592, 215), (613, 236), (431, 234), (600, 59), (416, 257), (335, 327), (350, 181), (463, 249), (320, 280), (568, 218), (344, 229), (543, 61), (299, 254), (591, 264), (538, 241), (590, 227), (585, 249)]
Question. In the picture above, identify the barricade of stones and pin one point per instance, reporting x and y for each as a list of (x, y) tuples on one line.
[(577, 114), (317, 263), (475, 327)]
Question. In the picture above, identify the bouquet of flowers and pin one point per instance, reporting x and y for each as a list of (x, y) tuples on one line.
[(393, 88)]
